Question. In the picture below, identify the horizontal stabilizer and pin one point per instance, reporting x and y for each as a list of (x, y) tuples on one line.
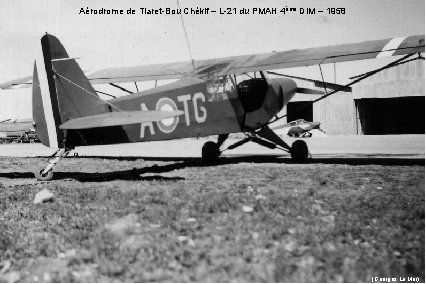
[(118, 118)]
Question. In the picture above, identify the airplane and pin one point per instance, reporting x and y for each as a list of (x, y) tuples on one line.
[(299, 128), (18, 137), (17, 130), (15, 125), (211, 97)]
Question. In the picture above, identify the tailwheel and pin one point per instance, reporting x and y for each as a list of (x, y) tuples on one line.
[(46, 174), (299, 151), (39, 175), (210, 152)]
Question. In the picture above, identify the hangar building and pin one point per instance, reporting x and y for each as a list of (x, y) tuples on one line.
[(389, 102)]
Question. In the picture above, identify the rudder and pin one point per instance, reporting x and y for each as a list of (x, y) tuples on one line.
[(61, 92)]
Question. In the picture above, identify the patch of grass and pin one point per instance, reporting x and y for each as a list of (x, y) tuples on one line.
[(118, 220)]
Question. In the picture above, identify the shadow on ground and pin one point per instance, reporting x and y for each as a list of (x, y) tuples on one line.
[(182, 163)]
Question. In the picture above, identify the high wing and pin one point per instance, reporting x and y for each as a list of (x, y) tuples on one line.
[(327, 54), (176, 70), (24, 82), (118, 118), (250, 63)]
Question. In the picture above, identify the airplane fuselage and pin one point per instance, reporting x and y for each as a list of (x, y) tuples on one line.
[(203, 114), (210, 108)]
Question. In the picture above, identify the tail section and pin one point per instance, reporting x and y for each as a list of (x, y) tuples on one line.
[(61, 92)]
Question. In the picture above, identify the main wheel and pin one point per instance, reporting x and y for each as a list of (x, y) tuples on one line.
[(43, 177), (299, 151), (210, 152)]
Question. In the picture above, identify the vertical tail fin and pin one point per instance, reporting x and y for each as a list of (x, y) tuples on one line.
[(61, 92)]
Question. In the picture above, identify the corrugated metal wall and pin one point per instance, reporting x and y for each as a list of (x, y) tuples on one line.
[(405, 80), (338, 113)]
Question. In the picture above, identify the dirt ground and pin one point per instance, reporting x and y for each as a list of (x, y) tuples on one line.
[(244, 220)]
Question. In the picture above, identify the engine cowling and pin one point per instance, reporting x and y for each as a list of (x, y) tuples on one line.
[(263, 98)]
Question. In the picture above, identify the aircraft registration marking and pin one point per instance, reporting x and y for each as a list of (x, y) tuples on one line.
[(187, 101)]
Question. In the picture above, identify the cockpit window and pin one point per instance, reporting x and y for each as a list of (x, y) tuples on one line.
[(220, 88)]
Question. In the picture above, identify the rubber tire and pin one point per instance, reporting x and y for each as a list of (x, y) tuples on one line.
[(45, 177), (210, 152), (299, 151)]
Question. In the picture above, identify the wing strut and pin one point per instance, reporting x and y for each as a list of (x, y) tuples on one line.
[(359, 78), (317, 83), (412, 59), (121, 88), (105, 94)]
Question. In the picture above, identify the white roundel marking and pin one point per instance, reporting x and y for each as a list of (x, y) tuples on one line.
[(167, 125), (167, 121)]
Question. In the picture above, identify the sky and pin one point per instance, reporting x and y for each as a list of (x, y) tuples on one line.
[(102, 41)]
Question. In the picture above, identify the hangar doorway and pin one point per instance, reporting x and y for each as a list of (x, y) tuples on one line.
[(405, 115), (298, 110)]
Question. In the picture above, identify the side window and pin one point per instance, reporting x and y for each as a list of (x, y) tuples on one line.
[(220, 88)]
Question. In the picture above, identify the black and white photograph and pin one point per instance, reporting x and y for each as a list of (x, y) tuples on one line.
[(212, 141)]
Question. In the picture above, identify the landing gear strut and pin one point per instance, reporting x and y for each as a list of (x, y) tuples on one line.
[(47, 173), (265, 137)]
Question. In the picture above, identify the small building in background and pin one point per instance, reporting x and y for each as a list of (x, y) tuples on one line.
[(389, 102), (393, 101)]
